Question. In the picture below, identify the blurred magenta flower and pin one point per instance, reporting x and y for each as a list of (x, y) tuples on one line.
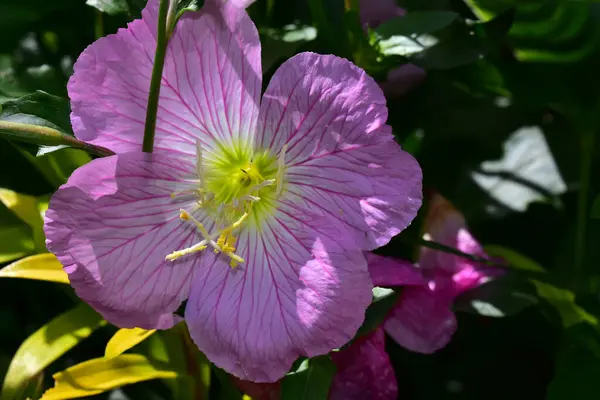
[(257, 212), (402, 80), (423, 321), (364, 370), (375, 12)]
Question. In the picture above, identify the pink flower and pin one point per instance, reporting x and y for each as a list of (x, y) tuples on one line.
[(254, 211), (364, 370), (402, 80), (375, 12), (423, 321)]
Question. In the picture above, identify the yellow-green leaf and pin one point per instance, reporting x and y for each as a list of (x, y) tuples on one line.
[(562, 299), (564, 302), (15, 242), (124, 340), (25, 207), (101, 374), (516, 260), (29, 210), (43, 267), (46, 345)]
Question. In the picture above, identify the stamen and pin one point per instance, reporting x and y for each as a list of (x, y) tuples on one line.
[(183, 192), (223, 203), (184, 215), (263, 184), (190, 250), (280, 169), (199, 162), (249, 197)]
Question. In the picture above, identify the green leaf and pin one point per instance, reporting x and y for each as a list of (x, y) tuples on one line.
[(24, 206), (43, 119), (168, 348), (501, 297), (595, 213), (516, 259), (383, 301), (28, 209), (43, 267), (563, 300), (46, 345), (450, 54), (310, 383), (125, 339), (545, 30), (101, 374), (577, 366), (110, 7), (416, 23), (15, 242)]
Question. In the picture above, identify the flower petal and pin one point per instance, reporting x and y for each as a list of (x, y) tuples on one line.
[(389, 272), (422, 321), (446, 225), (210, 87), (402, 79), (111, 226), (303, 290), (364, 371), (341, 156)]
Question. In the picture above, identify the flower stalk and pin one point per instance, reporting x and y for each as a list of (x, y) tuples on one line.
[(157, 71)]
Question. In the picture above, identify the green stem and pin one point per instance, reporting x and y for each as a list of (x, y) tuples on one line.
[(155, 80), (99, 25), (587, 148), (43, 135)]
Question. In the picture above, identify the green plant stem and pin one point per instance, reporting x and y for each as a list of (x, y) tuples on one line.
[(155, 80), (585, 164), (98, 25), (43, 135)]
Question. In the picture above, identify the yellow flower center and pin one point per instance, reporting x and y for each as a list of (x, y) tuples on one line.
[(236, 187)]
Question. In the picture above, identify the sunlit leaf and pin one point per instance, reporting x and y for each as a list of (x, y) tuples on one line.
[(416, 23), (24, 206), (43, 119), (311, 381), (383, 301), (516, 259), (545, 30), (101, 374), (125, 339), (15, 242), (111, 7), (526, 173), (167, 347), (46, 345), (500, 297), (43, 267), (563, 300), (57, 166), (28, 209)]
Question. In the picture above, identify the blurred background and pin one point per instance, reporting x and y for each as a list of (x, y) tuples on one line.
[(498, 100)]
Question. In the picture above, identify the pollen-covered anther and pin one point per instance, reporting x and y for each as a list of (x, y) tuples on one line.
[(225, 243)]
